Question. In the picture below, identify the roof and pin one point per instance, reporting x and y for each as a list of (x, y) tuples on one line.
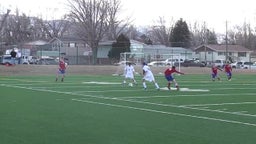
[(37, 43), (66, 39), (222, 48)]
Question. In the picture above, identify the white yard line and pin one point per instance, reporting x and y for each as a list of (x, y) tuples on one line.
[(182, 95), (169, 113), (219, 104), (142, 102)]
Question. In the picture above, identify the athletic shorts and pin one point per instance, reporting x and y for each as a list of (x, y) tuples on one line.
[(169, 78), (61, 71), (214, 75)]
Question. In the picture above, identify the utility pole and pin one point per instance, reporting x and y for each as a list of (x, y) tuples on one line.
[(226, 39), (205, 42)]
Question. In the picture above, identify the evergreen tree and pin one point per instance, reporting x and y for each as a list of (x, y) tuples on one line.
[(121, 45), (180, 35)]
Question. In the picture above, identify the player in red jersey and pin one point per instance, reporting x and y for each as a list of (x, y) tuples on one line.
[(61, 70), (228, 70), (215, 72), (170, 78)]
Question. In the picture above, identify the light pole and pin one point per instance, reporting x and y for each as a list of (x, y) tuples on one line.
[(77, 55), (226, 39)]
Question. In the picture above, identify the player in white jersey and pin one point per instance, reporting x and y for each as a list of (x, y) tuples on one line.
[(129, 74), (148, 76)]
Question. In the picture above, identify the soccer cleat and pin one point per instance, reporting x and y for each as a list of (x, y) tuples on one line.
[(178, 88), (62, 79), (169, 88)]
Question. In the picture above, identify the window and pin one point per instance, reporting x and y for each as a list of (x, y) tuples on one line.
[(221, 53), (241, 54)]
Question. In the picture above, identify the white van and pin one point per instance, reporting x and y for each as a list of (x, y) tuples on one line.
[(173, 61), (219, 63)]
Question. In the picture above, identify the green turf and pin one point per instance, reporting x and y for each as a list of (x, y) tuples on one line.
[(38, 110)]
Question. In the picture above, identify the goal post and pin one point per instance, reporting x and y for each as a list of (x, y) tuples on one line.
[(139, 58), (173, 59), (134, 58)]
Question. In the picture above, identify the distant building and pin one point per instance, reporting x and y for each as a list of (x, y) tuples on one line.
[(161, 52), (151, 52), (75, 49), (214, 52)]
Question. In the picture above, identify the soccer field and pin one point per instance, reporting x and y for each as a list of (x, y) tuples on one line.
[(99, 110)]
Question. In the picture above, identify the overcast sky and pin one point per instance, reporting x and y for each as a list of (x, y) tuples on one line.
[(214, 13)]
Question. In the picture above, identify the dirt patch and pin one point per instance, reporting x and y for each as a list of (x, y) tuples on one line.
[(97, 70)]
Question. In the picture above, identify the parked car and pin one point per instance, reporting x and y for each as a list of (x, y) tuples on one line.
[(157, 63), (247, 65), (123, 63), (192, 63), (219, 63), (172, 61), (240, 64), (7, 59), (47, 61), (234, 65), (253, 66)]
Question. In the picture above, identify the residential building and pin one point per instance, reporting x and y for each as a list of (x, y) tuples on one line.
[(148, 52), (212, 52), (75, 49)]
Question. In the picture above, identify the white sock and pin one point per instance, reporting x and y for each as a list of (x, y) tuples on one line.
[(144, 85), (156, 85)]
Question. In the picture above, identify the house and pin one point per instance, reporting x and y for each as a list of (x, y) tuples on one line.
[(212, 52), (161, 52), (75, 49), (141, 51), (32, 48), (105, 46)]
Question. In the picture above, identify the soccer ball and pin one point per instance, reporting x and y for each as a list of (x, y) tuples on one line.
[(130, 84)]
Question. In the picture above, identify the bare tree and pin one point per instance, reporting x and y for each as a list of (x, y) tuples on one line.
[(3, 20), (55, 28), (93, 18), (200, 34), (160, 33), (116, 27), (18, 29)]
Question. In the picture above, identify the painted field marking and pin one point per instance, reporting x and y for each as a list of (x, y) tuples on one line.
[(238, 103), (164, 112), (184, 107), (102, 83), (185, 89)]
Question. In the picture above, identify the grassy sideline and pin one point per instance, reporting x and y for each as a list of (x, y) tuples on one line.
[(96, 109)]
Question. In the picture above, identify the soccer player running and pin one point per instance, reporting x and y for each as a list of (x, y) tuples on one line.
[(170, 78), (148, 76), (61, 70), (228, 70), (215, 72), (129, 73)]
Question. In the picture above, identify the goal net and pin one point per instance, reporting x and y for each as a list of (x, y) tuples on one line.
[(135, 58), (172, 59)]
